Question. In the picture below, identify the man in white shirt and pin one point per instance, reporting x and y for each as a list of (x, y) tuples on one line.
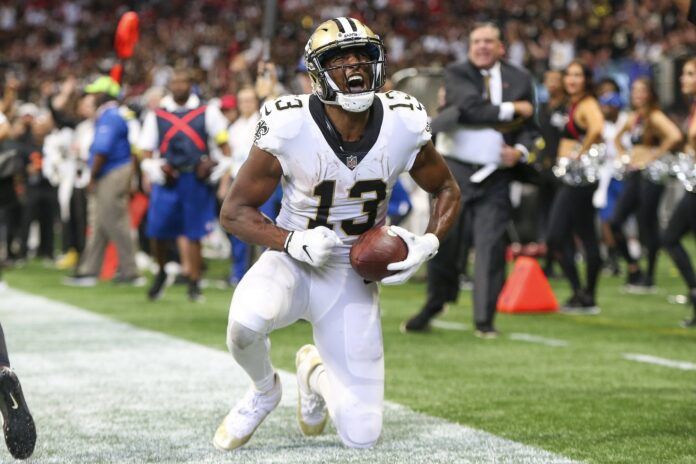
[(483, 130)]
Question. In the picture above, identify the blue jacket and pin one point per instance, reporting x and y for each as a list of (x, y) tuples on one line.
[(110, 140)]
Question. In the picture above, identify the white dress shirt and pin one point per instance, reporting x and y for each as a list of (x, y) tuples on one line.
[(481, 145)]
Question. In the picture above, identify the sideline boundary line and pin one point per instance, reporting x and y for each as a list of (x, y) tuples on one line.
[(664, 362)]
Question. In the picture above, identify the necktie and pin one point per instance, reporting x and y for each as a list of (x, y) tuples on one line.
[(487, 87)]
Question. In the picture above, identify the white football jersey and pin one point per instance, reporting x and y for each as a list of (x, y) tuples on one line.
[(344, 186)]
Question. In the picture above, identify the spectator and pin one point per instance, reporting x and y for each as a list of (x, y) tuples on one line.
[(75, 228), (111, 169), (40, 196), (8, 170)]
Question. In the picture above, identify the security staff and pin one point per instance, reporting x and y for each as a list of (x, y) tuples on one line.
[(184, 205)]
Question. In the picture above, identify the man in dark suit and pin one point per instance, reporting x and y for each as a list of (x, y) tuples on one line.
[(484, 130)]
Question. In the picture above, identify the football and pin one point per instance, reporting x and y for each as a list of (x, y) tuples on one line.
[(374, 250)]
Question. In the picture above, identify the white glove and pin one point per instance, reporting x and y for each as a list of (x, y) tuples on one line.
[(312, 246), (420, 249), (152, 168)]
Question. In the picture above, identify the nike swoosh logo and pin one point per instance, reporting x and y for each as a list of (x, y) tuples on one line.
[(14, 402), (265, 110), (304, 248)]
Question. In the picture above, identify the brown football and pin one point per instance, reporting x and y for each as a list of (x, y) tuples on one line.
[(374, 250)]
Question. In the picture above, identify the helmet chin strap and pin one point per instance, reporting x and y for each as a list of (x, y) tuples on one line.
[(357, 102), (352, 102)]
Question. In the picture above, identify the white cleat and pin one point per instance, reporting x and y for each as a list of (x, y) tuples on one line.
[(311, 407), (246, 416)]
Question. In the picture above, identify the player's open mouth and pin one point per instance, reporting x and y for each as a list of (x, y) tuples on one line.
[(356, 83)]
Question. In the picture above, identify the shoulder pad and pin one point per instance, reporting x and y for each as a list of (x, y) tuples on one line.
[(407, 109), (281, 119), (282, 116)]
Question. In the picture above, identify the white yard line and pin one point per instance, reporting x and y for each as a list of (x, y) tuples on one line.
[(649, 359), (447, 325), (525, 337), (105, 391)]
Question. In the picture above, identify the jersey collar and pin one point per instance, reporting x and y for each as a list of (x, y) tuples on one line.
[(349, 153)]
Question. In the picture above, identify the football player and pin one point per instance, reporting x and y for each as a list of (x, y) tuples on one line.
[(338, 153), (17, 423)]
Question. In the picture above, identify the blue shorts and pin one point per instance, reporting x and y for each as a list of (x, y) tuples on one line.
[(187, 208), (613, 192)]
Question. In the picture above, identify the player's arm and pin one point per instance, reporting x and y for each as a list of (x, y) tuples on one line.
[(432, 174), (257, 179)]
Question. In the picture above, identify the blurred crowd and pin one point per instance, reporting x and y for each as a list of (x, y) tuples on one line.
[(53, 49), (44, 41)]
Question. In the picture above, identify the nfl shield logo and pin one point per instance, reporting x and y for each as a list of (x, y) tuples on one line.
[(352, 161)]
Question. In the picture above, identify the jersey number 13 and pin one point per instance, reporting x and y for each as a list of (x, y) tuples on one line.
[(325, 192)]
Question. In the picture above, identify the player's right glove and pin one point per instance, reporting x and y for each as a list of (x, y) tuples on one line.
[(312, 246)]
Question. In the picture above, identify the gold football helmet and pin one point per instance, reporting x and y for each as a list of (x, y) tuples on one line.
[(330, 39)]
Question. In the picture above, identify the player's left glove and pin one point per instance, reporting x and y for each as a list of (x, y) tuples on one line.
[(420, 249)]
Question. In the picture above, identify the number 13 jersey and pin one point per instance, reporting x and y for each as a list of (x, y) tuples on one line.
[(344, 186)]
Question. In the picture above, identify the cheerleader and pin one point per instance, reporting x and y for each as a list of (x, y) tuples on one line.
[(572, 212), (684, 215), (652, 135)]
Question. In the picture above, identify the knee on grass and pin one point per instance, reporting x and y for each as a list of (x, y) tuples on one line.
[(240, 337), (359, 427)]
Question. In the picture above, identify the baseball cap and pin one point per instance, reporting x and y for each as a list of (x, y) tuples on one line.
[(228, 102), (104, 84), (611, 99)]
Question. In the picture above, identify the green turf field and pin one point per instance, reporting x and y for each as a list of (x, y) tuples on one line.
[(579, 398)]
